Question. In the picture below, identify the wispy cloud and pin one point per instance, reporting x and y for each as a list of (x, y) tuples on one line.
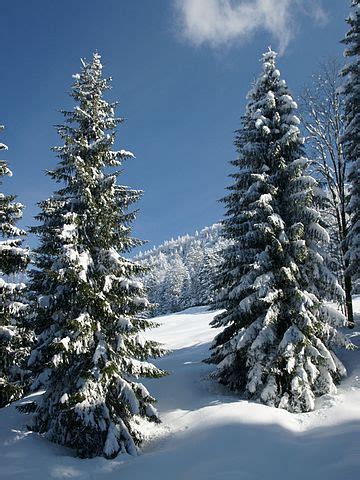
[(220, 22)]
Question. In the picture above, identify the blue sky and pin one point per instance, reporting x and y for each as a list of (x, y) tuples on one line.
[(181, 71)]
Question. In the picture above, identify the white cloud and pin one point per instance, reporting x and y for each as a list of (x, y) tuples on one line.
[(219, 22)]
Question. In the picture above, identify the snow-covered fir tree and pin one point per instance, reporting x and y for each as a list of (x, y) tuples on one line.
[(175, 285), (351, 139), (278, 337), (15, 336), (203, 284), (89, 317)]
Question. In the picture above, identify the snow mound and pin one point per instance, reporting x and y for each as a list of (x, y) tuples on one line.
[(208, 433)]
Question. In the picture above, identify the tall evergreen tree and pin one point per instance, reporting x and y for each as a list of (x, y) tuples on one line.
[(15, 338), (90, 309), (351, 140), (278, 337)]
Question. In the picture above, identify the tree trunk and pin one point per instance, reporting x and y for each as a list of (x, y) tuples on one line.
[(348, 301), (347, 278)]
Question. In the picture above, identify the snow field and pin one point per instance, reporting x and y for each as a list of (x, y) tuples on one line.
[(208, 433)]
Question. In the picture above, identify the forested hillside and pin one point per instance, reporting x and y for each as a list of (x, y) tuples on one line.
[(182, 272)]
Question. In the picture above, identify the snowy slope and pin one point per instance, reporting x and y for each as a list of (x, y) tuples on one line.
[(208, 433)]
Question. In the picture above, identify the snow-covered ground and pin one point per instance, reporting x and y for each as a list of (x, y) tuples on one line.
[(208, 433)]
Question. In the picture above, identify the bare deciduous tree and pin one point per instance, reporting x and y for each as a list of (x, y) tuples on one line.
[(322, 110)]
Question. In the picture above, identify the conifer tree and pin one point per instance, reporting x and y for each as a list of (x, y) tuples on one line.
[(15, 337), (278, 336), (90, 304), (176, 284), (351, 140), (203, 284)]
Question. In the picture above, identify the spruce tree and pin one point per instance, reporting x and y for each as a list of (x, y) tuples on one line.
[(175, 284), (278, 337), (90, 313), (203, 281), (15, 337), (351, 140)]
